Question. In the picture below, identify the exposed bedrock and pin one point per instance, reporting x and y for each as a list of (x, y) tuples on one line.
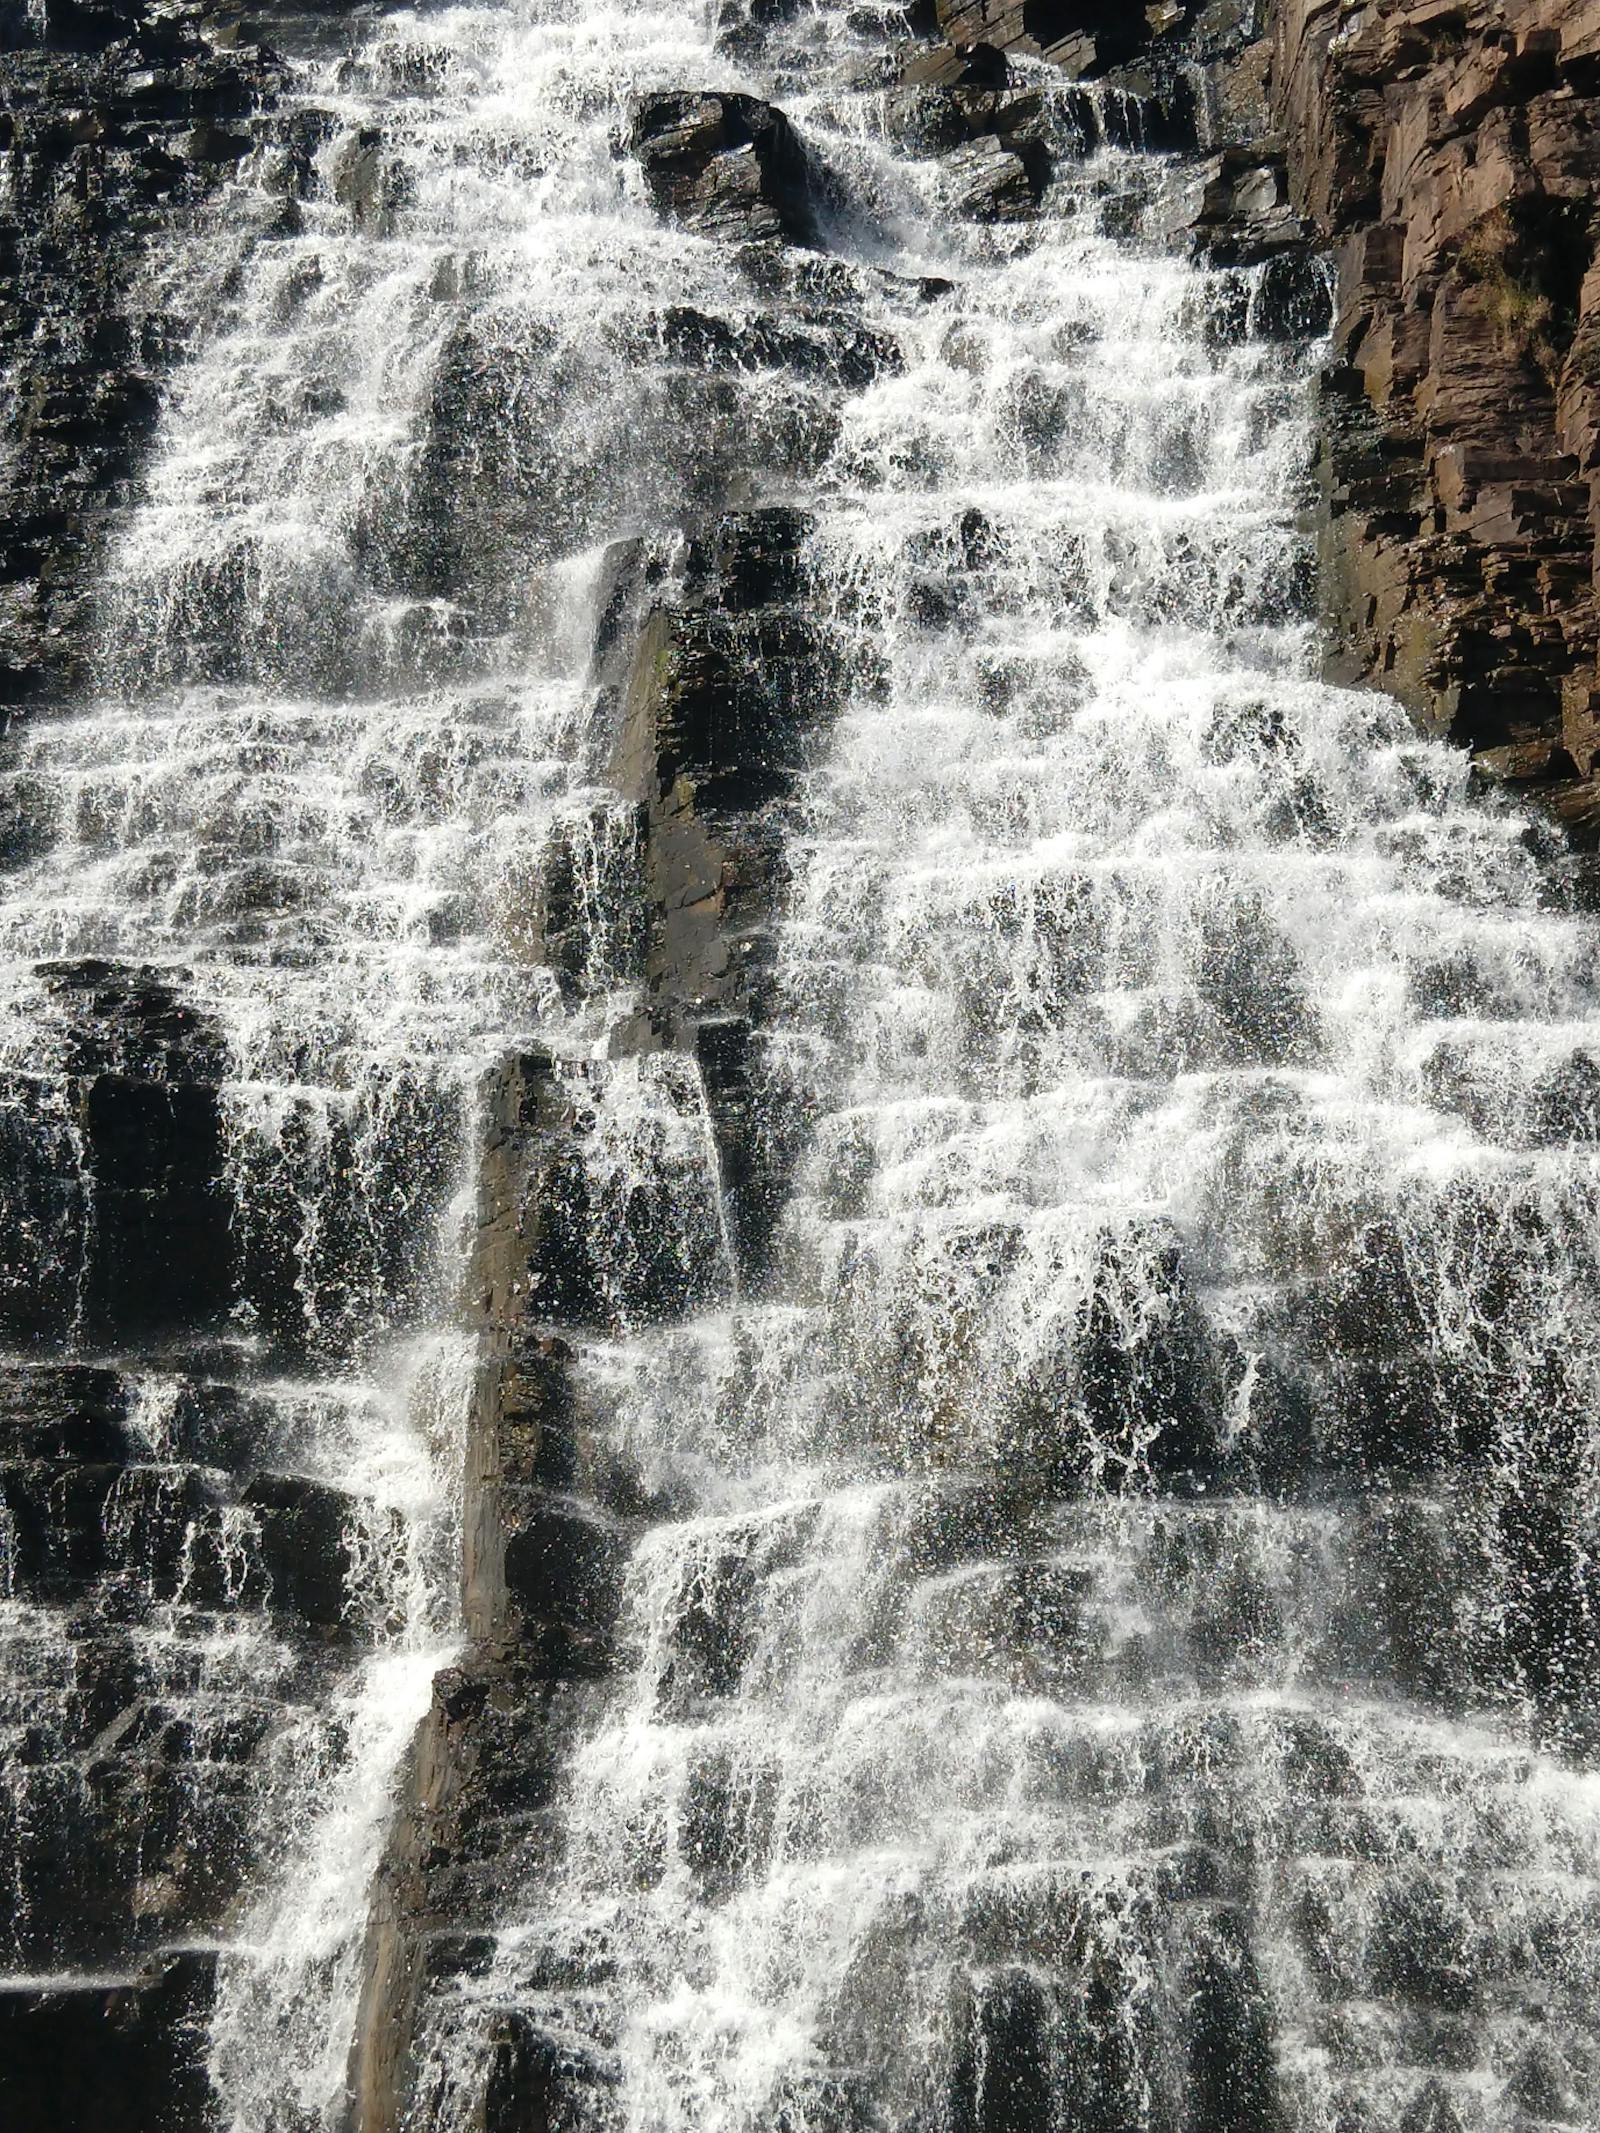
[(1452, 154), (116, 122)]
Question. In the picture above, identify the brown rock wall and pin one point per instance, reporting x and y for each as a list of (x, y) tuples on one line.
[(1450, 149)]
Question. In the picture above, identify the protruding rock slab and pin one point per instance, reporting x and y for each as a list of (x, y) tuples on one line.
[(997, 178), (726, 166)]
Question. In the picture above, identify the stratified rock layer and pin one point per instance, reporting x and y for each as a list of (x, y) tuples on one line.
[(1453, 154)]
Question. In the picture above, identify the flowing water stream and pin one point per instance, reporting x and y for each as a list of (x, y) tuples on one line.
[(1122, 1651)]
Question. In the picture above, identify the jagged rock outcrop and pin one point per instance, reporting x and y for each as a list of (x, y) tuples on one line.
[(727, 166), (1452, 153)]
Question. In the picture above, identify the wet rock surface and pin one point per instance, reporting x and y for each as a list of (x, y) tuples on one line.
[(118, 122), (729, 166), (94, 2054)]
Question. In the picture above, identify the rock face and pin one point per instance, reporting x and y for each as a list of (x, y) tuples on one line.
[(1448, 151), (1453, 156), (118, 119)]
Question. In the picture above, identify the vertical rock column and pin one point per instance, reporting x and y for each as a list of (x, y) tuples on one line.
[(714, 695), (1453, 156)]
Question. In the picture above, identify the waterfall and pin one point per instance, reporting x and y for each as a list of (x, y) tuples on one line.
[(1107, 1632)]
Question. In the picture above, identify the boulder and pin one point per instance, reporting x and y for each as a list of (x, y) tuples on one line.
[(726, 166), (997, 179)]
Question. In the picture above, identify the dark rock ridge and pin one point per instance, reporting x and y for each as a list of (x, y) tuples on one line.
[(714, 685), (1452, 154)]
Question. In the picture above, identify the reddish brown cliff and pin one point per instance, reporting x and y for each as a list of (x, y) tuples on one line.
[(1451, 151)]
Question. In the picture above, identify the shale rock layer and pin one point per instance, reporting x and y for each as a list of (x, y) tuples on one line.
[(1452, 155)]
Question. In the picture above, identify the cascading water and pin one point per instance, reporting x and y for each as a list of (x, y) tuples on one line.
[(1129, 1663), (1117, 1649), (281, 877)]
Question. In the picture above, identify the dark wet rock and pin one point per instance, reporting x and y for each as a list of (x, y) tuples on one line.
[(564, 1243), (957, 66), (305, 1539), (1233, 2085), (997, 178), (1083, 37), (130, 1798), (936, 121), (65, 1411), (831, 347), (1293, 300), (27, 820), (539, 2079), (159, 1219), (562, 1563), (730, 690), (369, 184), (589, 913), (55, 1518), (119, 119), (132, 1020), (744, 27), (727, 166), (716, 692), (1003, 2082), (112, 1182), (1242, 215)]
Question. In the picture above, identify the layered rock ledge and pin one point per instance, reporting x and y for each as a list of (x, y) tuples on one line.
[(1451, 153)]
